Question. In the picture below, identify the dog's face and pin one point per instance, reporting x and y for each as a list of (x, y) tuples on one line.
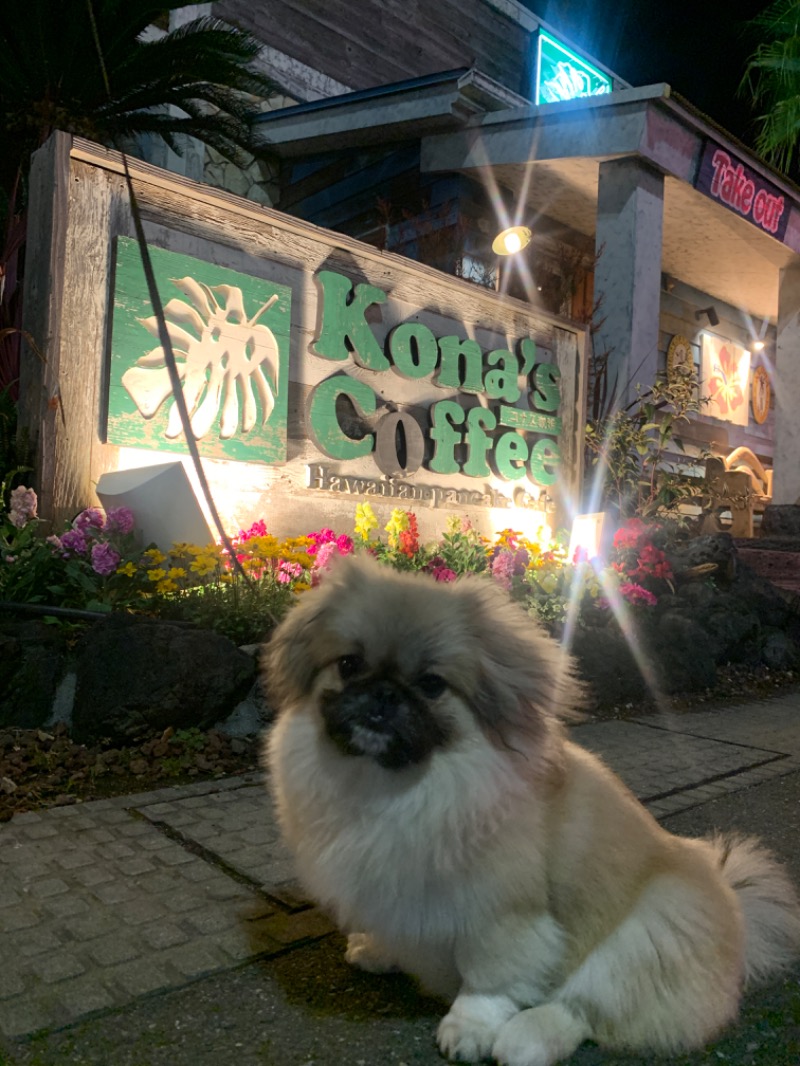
[(399, 667)]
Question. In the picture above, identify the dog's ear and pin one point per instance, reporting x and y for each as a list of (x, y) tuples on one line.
[(288, 665), (525, 678)]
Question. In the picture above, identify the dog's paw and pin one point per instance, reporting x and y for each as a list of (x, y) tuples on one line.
[(468, 1031), (539, 1036), (464, 1041), (365, 953)]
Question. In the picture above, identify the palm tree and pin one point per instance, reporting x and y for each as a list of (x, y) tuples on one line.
[(772, 78), (84, 66)]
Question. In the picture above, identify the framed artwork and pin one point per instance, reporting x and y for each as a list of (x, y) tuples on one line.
[(725, 379)]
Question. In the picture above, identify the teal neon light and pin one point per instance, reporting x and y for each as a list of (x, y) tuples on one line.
[(562, 75)]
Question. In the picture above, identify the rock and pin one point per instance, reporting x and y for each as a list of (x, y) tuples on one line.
[(781, 520), (30, 676), (606, 663), (716, 548), (135, 677), (779, 652), (682, 654)]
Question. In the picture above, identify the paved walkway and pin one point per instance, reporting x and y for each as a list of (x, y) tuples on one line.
[(106, 902)]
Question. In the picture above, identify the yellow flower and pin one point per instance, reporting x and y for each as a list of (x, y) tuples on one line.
[(365, 521), (203, 565), (398, 522), (156, 575), (128, 569), (167, 586), (176, 571), (154, 556)]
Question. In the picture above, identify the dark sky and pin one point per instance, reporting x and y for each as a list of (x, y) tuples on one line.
[(699, 48)]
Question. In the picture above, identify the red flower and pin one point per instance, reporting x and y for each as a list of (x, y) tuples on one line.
[(409, 538)]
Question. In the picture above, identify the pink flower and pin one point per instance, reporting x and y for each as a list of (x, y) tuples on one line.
[(503, 569), (22, 507), (344, 544), (104, 559), (258, 529), (325, 552), (74, 541), (444, 573), (119, 520), (321, 536), (287, 572), (637, 595), (55, 543)]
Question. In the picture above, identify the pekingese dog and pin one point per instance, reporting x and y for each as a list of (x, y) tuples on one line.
[(435, 807)]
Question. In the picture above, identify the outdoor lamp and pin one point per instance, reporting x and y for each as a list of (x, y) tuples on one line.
[(710, 313), (512, 240)]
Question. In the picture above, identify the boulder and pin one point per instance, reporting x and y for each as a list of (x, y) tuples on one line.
[(33, 660), (135, 677)]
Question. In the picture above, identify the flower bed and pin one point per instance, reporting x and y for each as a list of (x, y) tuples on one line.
[(95, 565)]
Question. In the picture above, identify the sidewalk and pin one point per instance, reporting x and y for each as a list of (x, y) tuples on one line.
[(165, 927)]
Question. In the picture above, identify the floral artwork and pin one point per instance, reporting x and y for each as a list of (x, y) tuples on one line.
[(726, 369), (230, 337)]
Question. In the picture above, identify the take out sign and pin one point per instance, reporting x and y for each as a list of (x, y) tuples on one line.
[(728, 180)]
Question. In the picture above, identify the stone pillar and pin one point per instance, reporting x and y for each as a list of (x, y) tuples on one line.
[(786, 478), (630, 207)]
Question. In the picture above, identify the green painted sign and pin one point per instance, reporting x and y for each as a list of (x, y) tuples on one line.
[(230, 336)]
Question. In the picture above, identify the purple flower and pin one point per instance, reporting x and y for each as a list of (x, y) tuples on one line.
[(74, 541), (119, 520), (89, 519), (104, 559)]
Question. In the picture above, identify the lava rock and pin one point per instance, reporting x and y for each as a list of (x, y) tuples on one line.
[(33, 664), (134, 677)]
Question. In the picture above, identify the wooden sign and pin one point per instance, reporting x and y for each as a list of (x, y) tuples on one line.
[(760, 394)]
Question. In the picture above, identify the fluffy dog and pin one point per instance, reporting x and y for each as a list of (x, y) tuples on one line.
[(436, 809)]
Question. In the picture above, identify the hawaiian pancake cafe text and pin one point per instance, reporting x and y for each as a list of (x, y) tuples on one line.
[(502, 438)]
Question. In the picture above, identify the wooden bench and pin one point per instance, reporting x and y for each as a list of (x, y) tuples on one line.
[(738, 483)]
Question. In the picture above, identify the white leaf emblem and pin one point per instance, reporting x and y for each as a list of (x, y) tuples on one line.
[(227, 363)]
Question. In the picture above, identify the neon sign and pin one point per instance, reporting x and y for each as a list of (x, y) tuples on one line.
[(563, 75), (727, 180)]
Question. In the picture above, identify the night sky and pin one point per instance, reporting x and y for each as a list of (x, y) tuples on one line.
[(700, 48)]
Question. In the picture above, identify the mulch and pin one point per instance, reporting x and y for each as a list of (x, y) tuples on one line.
[(45, 768)]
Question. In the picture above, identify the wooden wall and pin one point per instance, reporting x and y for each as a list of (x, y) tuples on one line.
[(364, 43)]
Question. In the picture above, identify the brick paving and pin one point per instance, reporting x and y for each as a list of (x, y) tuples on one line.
[(105, 902)]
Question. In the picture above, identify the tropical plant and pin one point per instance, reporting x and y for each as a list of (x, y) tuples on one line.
[(631, 451), (772, 81), (90, 69)]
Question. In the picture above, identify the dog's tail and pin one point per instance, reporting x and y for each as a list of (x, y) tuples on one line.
[(769, 903)]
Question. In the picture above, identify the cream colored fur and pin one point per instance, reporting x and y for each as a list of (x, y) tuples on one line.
[(513, 874)]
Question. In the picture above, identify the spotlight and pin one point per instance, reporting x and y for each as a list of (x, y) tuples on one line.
[(710, 313), (758, 346), (511, 241)]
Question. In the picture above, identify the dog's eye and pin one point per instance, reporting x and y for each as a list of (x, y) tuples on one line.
[(431, 685), (349, 666)]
